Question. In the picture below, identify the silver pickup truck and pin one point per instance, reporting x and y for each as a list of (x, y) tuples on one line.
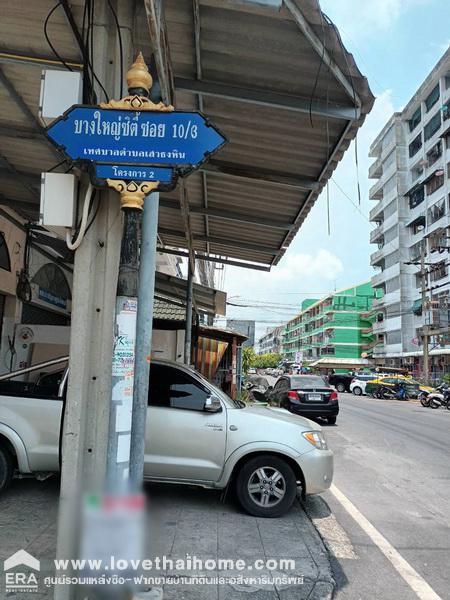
[(195, 435)]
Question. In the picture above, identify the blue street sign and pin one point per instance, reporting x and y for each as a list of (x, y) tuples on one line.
[(134, 172), (177, 139)]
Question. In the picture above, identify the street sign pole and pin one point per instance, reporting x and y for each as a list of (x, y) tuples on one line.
[(144, 325), (135, 147)]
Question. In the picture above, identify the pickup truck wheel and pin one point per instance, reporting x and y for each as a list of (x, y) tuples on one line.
[(266, 486), (6, 469), (340, 387)]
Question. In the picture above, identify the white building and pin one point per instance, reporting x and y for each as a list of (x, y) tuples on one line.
[(412, 213), (271, 341)]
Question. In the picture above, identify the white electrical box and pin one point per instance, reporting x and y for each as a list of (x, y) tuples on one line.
[(59, 91), (58, 199)]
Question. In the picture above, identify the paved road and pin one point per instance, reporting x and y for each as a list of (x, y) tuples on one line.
[(392, 463)]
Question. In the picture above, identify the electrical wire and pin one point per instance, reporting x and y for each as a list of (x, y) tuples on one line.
[(316, 81), (84, 219), (119, 37), (53, 49), (348, 198)]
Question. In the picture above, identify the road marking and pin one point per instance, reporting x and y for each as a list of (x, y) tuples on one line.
[(417, 583)]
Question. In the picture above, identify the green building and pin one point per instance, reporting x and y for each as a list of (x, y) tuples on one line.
[(339, 325)]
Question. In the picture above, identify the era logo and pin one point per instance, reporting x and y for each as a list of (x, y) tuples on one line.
[(21, 581)]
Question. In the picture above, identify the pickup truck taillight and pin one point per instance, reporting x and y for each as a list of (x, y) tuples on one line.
[(333, 396)]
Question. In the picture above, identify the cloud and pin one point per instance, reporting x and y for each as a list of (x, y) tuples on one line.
[(321, 265), (363, 18)]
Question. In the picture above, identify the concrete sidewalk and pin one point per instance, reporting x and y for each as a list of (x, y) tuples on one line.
[(188, 521)]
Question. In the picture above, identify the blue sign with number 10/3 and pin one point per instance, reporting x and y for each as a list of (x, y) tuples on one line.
[(176, 139)]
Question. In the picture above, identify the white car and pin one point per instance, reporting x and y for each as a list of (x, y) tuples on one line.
[(196, 435), (358, 384)]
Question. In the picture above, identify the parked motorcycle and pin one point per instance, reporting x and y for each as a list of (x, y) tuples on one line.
[(398, 392), (440, 398), (425, 397)]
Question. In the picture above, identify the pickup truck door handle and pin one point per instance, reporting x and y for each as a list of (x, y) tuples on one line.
[(233, 428)]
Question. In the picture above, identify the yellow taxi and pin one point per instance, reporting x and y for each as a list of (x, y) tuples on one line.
[(394, 379)]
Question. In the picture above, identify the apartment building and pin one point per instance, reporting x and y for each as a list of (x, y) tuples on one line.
[(338, 325), (412, 221), (271, 341)]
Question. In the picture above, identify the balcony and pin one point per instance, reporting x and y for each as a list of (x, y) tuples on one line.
[(388, 298), (376, 169), (384, 251), (376, 233), (376, 191), (377, 212), (388, 324), (388, 273)]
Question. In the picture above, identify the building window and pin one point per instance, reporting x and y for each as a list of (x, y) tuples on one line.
[(436, 212), (418, 227), (417, 197), (434, 153), (445, 112), (5, 261), (432, 98), (435, 182), (439, 271), (415, 145), (432, 126), (328, 350), (415, 251), (53, 285), (415, 119), (394, 337), (437, 240), (416, 172)]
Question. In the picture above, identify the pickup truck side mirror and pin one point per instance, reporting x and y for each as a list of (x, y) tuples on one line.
[(212, 405)]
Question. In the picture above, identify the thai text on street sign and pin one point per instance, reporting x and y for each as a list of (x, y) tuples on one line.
[(134, 172), (177, 139)]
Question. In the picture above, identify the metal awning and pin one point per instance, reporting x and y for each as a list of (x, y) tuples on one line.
[(276, 81), (418, 220), (340, 363), (222, 334), (414, 188), (206, 299)]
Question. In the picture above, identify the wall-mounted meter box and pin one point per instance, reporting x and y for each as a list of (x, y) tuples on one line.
[(59, 91), (58, 199)]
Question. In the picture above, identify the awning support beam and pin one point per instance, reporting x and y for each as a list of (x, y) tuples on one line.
[(319, 47), (215, 259), (227, 215), (221, 241), (262, 175), (267, 98)]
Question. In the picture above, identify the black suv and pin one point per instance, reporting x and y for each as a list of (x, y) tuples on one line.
[(306, 395)]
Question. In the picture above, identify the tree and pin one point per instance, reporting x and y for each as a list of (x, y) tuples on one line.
[(248, 355)]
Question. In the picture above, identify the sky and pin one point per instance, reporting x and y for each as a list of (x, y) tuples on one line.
[(395, 44)]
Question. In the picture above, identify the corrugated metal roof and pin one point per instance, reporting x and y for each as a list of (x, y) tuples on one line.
[(278, 83)]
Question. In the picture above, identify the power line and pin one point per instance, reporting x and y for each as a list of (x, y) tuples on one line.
[(350, 199)]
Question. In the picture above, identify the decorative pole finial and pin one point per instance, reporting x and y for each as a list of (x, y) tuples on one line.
[(138, 76), (139, 83)]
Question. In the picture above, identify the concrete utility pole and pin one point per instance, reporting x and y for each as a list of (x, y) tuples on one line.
[(87, 404), (425, 329)]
